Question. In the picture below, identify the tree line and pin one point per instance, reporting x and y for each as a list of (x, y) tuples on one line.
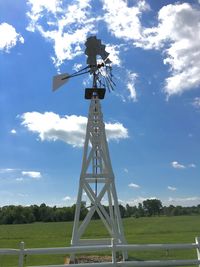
[(151, 207)]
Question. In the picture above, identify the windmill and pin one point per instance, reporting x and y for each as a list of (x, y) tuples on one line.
[(97, 179)]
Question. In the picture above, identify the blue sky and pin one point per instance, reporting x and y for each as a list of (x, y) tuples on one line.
[(152, 117)]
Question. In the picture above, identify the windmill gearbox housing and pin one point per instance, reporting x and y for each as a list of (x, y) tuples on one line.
[(91, 92)]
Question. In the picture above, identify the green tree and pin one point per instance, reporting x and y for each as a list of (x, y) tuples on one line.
[(122, 210), (128, 210), (152, 207), (140, 211)]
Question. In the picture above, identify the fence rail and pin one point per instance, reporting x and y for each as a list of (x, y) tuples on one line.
[(113, 248)]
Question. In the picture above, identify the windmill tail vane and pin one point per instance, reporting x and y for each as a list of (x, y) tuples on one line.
[(100, 68)]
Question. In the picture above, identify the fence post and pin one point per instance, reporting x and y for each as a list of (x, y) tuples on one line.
[(197, 239), (114, 260), (21, 254)]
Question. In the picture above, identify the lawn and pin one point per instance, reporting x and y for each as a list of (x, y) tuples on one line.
[(180, 229)]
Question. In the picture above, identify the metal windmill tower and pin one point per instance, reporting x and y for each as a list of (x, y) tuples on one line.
[(97, 179)]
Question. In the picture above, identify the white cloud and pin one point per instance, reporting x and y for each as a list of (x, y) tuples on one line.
[(77, 66), (122, 202), (69, 129), (68, 25), (177, 165), (6, 170), (139, 199), (114, 54), (196, 102), (131, 85), (9, 37), (116, 131), (38, 7), (184, 201), (124, 21), (13, 131), (177, 36), (66, 198), (126, 170), (192, 165), (32, 174), (171, 188), (132, 185)]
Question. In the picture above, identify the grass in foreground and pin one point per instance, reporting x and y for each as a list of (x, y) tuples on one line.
[(180, 229)]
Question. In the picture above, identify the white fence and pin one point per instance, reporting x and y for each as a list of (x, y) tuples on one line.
[(113, 248)]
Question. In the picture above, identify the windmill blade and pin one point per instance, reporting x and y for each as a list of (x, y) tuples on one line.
[(59, 80), (110, 84)]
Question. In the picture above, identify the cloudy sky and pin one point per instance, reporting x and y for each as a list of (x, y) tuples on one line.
[(152, 118)]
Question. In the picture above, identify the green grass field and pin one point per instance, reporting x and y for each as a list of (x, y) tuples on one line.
[(181, 229)]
